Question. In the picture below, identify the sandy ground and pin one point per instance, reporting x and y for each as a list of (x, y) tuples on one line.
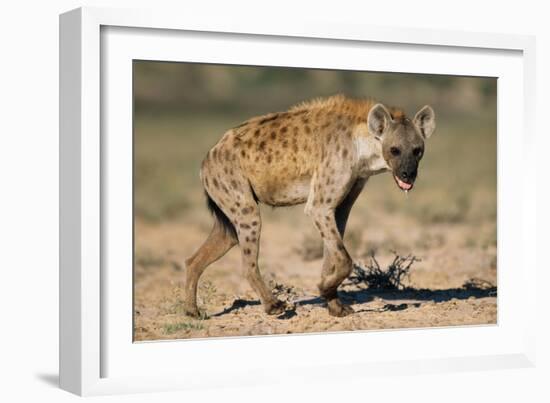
[(437, 292)]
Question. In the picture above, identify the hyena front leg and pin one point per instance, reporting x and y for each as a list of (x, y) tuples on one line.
[(337, 265), (341, 215)]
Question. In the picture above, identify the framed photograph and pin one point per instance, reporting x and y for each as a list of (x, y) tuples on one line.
[(242, 201)]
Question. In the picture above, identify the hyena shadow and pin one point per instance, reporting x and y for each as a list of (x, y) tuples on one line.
[(400, 299), (414, 297), (240, 303)]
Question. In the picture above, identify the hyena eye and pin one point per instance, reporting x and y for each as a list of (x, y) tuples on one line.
[(395, 151), (417, 151)]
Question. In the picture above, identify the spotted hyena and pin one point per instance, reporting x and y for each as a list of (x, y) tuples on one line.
[(320, 153)]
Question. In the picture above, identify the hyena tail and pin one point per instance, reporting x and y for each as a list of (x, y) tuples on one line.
[(220, 216)]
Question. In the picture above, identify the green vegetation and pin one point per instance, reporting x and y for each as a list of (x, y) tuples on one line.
[(171, 328)]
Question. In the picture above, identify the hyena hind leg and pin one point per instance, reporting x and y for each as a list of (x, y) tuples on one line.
[(218, 243), (248, 229)]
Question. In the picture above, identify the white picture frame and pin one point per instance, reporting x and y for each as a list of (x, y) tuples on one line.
[(97, 355)]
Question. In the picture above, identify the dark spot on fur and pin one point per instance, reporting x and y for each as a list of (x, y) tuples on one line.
[(246, 251), (273, 135), (345, 152), (284, 129), (254, 223), (243, 153), (246, 210), (256, 132), (216, 184), (307, 129), (261, 146), (244, 226)]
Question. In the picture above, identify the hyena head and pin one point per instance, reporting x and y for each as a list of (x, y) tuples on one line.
[(402, 140)]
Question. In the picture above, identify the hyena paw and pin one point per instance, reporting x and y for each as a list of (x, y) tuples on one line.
[(275, 308), (338, 309)]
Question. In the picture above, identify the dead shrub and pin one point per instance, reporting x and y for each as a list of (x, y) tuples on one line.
[(391, 278)]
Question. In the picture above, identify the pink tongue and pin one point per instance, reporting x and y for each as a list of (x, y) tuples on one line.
[(403, 185)]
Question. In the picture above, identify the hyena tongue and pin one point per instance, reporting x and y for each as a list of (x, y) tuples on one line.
[(403, 185)]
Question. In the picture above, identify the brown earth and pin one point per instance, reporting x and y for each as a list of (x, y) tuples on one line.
[(439, 291)]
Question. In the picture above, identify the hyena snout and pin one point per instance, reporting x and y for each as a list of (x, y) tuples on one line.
[(405, 175), (408, 174)]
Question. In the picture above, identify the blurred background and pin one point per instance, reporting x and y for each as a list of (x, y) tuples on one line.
[(181, 110)]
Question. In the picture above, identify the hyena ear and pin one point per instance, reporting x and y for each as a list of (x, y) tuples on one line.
[(425, 121), (378, 120)]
